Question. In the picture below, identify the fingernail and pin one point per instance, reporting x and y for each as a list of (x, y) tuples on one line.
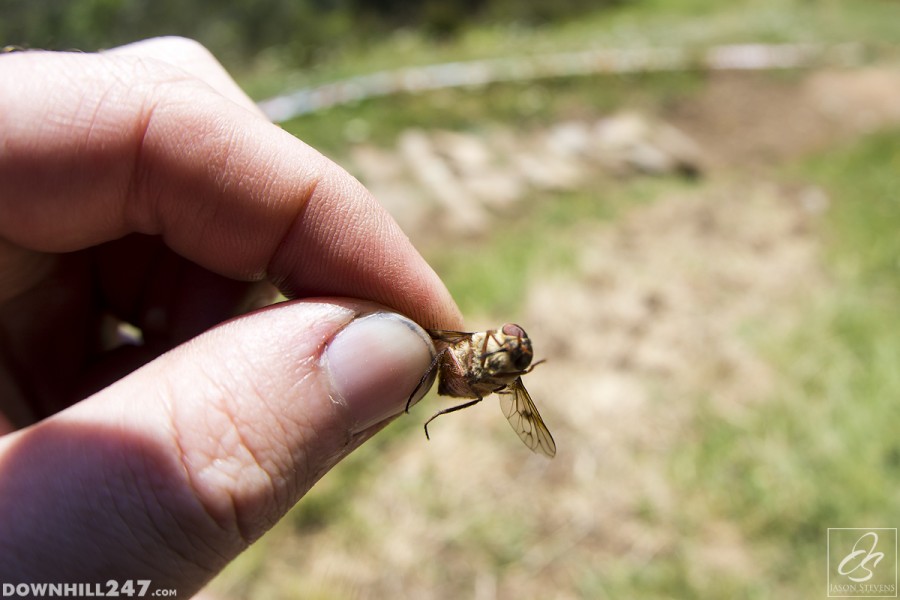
[(375, 364)]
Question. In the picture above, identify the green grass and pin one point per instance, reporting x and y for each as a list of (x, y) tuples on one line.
[(636, 24), (867, 219), (527, 105)]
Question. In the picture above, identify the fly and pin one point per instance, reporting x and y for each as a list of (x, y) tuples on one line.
[(475, 365)]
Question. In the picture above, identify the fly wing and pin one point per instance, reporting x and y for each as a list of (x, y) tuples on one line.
[(448, 336), (525, 419)]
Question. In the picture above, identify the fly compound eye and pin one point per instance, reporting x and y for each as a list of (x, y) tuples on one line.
[(514, 330), (523, 354)]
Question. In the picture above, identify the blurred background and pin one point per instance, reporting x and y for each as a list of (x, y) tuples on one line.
[(691, 206)]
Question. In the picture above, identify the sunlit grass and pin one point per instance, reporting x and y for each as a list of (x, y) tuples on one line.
[(635, 24)]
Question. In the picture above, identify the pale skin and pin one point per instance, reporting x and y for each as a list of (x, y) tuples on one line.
[(144, 184)]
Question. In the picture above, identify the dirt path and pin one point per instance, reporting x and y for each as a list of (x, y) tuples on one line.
[(756, 120)]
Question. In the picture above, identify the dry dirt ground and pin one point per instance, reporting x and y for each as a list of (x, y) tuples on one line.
[(658, 315)]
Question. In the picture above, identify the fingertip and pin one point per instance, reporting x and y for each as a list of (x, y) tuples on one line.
[(376, 366)]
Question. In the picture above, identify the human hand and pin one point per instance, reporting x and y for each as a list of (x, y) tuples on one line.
[(142, 184)]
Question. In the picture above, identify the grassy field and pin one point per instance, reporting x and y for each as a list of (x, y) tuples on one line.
[(637, 24), (687, 493)]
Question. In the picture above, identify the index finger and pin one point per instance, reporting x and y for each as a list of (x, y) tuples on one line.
[(98, 146)]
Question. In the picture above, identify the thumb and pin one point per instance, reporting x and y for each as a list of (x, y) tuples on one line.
[(171, 472)]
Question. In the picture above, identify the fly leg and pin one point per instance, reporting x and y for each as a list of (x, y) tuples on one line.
[(425, 378), (449, 410), (484, 351)]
